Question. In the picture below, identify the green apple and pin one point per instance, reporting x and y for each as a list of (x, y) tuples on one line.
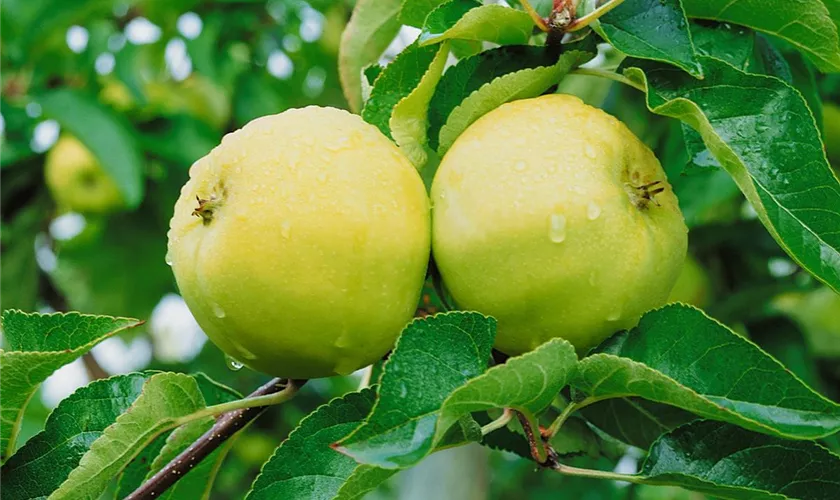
[(693, 285), (831, 132), (818, 313), (77, 181), (301, 242), (553, 217)]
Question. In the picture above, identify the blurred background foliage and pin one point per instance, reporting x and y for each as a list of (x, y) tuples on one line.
[(106, 104)]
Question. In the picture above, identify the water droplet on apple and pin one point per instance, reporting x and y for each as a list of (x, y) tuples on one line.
[(168, 258), (519, 166), (557, 228), (232, 363), (218, 311), (286, 229), (322, 177), (593, 211), (589, 150), (615, 314)]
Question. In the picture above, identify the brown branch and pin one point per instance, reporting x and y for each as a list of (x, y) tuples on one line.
[(541, 451), (94, 369), (226, 426)]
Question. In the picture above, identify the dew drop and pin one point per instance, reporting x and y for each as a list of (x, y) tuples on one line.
[(519, 166), (589, 150), (218, 311), (557, 228), (233, 364), (286, 229), (168, 258), (615, 314), (322, 177), (593, 211)]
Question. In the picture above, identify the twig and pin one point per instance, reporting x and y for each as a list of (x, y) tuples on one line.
[(226, 426), (544, 456), (94, 369), (500, 422)]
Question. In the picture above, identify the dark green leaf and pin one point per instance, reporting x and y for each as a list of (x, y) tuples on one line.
[(805, 23), (679, 356), (397, 80), (652, 29), (305, 467), (433, 357), (730, 462), (635, 421), (472, 73), (39, 344), (760, 130), (165, 398), (45, 461)]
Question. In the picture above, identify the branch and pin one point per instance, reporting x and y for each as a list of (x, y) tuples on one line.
[(226, 426)]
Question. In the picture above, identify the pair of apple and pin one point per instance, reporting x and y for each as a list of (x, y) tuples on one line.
[(301, 242)]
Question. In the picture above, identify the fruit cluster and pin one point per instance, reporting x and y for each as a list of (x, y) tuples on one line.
[(301, 242)]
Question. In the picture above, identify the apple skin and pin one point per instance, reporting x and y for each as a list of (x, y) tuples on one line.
[(536, 221), (831, 132), (77, 181), (313, 252), (693, 285), (818, 313)]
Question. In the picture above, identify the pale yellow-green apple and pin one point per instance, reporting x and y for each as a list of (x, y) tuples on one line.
[(77, 181), (301, 242), (551, 216), (693, 285), (831, 132), (818, 313)]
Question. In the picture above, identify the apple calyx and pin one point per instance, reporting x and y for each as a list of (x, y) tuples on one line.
[(206, 207), (643, 195)]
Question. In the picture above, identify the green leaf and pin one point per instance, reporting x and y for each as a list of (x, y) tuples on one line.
[(371, 29), (527, 382), (679, 356), (521, 84), (305, 467), (107, 136), (433, 357), (733, 44), (652, 29), (45, 461), (472, 73), (196, 483), (727, 461), (138, 469), (19, 273), (409, 121), (805, 23), (414, 12), (165, 397), (635, 421), (761, 131), (396, 82), (38, 345), (469, 20)]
